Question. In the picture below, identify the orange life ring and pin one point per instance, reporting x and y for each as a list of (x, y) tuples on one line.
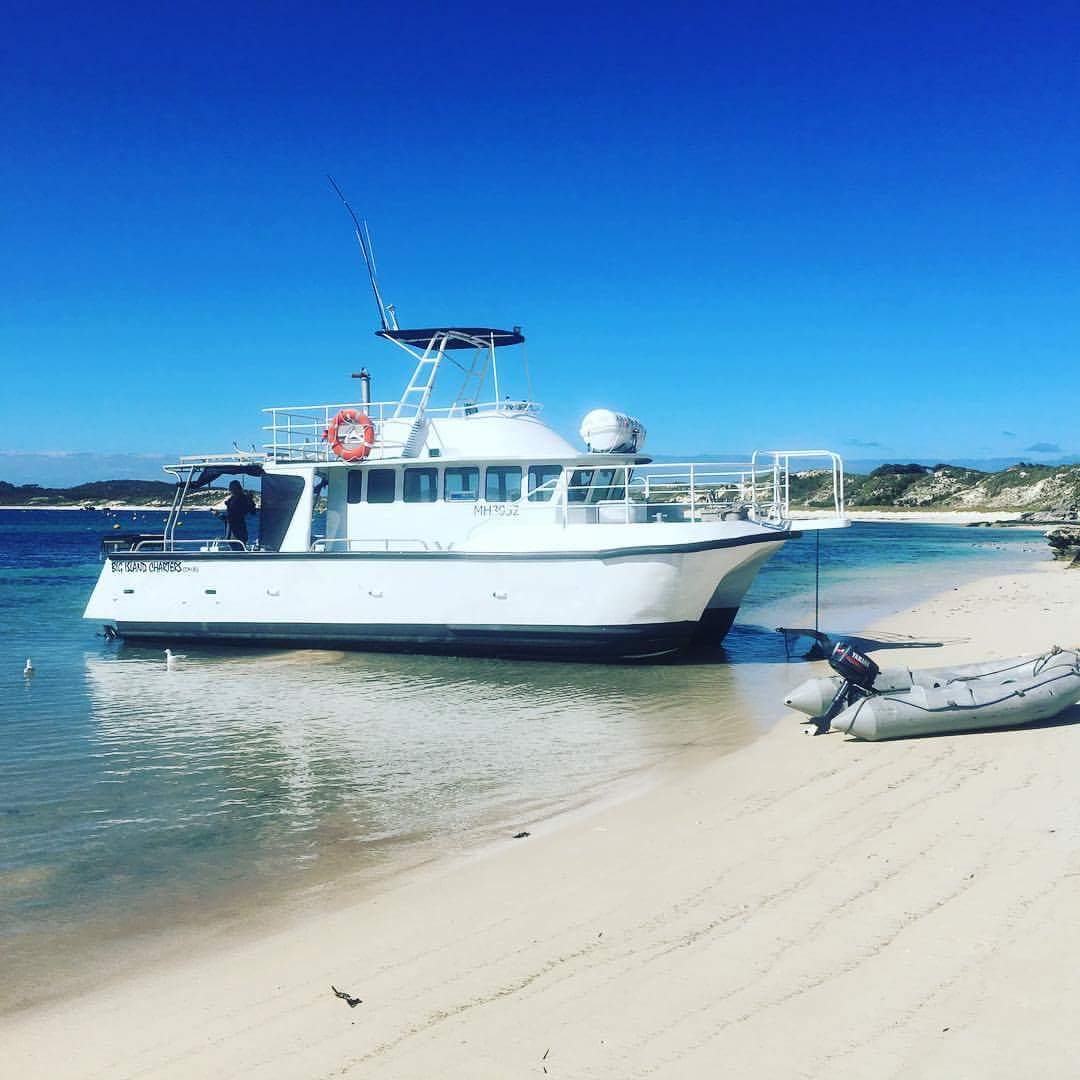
[(351, 435)]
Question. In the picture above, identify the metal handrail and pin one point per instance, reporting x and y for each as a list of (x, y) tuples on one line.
[(164, 543), (252, 457), (297, 432), (206, 543), (691, 491), (350, 542), (376, 410), (836, 468)]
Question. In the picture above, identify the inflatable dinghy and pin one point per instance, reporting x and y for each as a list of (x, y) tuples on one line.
[(962, 706), (994, 694), (813, 696)]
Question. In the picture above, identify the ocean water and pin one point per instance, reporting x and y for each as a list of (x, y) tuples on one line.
[(135, 799)]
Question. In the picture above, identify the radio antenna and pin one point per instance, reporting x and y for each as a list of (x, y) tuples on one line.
[(363, 238)]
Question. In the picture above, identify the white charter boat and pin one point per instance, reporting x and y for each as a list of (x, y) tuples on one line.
[(470, 528)]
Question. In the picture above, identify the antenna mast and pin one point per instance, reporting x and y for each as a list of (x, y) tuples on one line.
[(363, 238)]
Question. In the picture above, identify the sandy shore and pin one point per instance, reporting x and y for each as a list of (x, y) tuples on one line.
[(928, 517), (936, 517), (800, 908)]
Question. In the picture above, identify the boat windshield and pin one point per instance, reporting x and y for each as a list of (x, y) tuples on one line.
[(596, 486)]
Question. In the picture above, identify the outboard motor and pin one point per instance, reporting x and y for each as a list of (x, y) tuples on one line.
[(852, 666), (858, 673)]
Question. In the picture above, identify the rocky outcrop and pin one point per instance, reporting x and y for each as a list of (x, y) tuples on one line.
[(1064, 541), (1030, 518)]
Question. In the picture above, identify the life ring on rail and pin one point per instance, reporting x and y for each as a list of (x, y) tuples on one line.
[(351, 435)]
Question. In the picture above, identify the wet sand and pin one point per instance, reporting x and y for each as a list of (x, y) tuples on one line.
[(800, 907)]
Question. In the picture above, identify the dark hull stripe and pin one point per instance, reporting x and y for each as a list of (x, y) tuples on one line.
[(715, 623), (495, 556), (567, 642)]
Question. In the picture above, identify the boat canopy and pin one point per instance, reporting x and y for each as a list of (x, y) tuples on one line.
[(457, 337), (208, 474)]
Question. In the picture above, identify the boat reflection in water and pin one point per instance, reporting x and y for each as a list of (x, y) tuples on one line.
[(259, 764), (291, 767), (234, 784)]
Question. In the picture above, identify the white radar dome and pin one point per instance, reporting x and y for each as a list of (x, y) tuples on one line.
[(607, 432)]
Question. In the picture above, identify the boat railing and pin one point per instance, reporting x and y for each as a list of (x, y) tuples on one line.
[(297, 433), (758, 490), (201, 461), (188, 543), (121, 542), (366, 544), (158, 543), (779, 461), (664, 492)]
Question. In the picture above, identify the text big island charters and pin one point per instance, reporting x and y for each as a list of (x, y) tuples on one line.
[(470, 527)]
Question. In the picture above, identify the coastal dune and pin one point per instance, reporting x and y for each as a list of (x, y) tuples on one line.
[(801, 907)]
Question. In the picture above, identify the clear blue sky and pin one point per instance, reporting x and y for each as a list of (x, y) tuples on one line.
[(749, 224)]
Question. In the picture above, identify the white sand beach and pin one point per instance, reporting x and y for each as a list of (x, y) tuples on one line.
[(799, 908), (930, 517), (939, 517)]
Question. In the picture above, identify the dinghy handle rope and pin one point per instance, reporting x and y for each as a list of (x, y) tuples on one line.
[(1040, 663)]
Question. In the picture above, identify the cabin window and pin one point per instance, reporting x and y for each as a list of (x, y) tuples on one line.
[(539, 476), (380, 485), (502, 483), (461, 484), (421, 485), (580, 480), (604, 488), (356, 486), (596, 485)]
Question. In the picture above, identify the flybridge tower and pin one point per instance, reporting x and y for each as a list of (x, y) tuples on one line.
[(428, 347)]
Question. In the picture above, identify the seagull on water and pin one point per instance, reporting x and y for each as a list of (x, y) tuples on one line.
[(171, 658), (29, 669)]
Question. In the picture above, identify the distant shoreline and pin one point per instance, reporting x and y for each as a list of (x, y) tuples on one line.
[(118, 507), (1012, 518)]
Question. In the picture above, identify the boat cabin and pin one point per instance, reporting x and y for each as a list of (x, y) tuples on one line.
[(406, 475)]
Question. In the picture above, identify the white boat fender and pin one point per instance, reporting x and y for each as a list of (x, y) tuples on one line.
[(814, 695)]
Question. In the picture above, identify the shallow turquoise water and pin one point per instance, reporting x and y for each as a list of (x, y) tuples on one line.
[(136, 796)]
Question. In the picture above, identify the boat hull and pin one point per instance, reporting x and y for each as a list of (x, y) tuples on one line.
[(593, 605), (584, 642)]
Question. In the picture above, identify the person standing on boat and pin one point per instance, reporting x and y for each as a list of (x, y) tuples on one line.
[(237, 507)]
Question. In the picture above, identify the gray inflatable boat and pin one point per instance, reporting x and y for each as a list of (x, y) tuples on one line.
[(813, 696), (993, 694)]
